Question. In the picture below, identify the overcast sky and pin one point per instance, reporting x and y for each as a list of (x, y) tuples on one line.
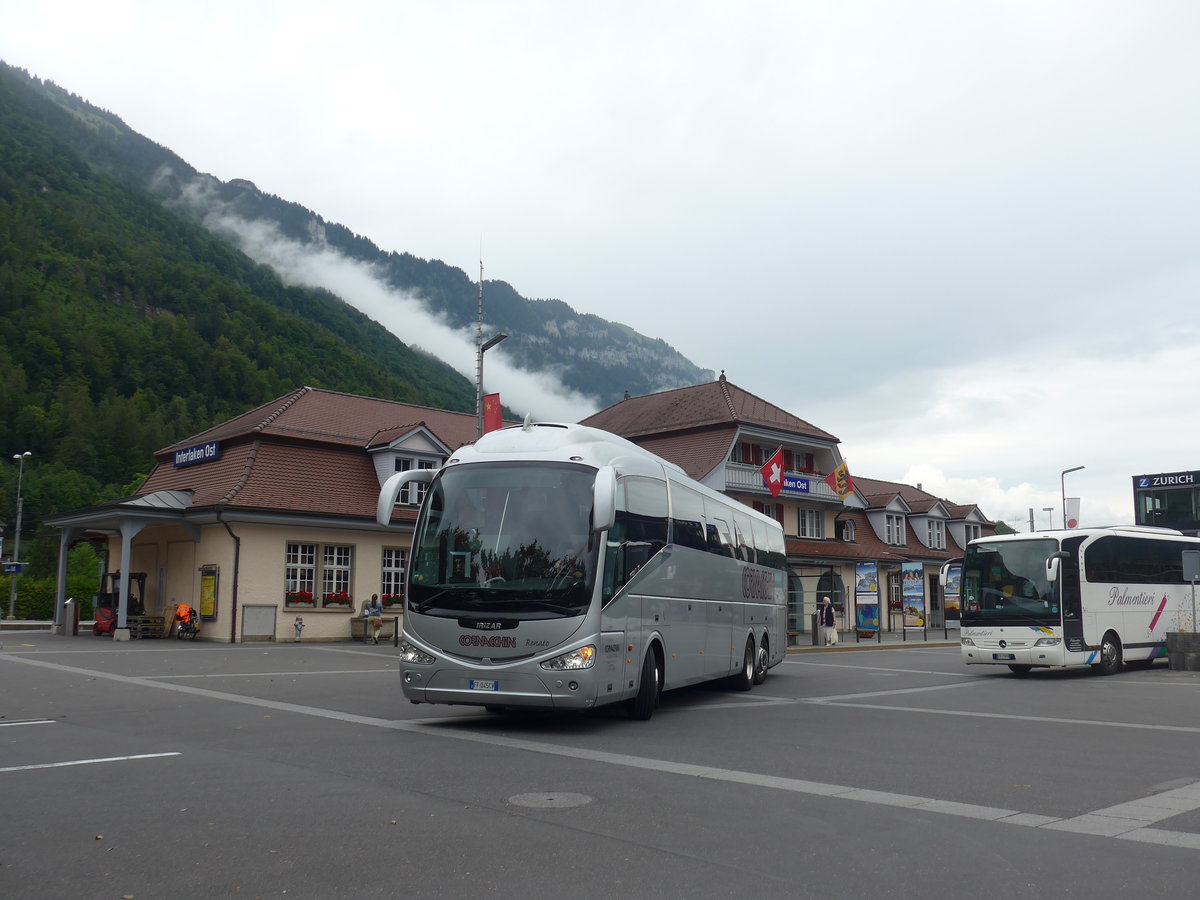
[(961, 236)]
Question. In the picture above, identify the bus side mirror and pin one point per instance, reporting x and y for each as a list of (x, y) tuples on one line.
[(391, 491), (1052, 565), (604, 499)]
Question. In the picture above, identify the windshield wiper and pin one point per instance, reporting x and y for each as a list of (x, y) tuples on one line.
[(573, 609), (428, 601)]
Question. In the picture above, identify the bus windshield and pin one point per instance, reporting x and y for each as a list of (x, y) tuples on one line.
[(510, 539), (1004, 583)]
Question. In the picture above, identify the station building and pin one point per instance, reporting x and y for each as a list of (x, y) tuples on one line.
[(267, 522)]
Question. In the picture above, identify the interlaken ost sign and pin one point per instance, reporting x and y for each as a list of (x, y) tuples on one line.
[(201, 453)]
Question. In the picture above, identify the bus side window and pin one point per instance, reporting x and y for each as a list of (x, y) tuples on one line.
[(1068, 580), (639, 532), (719, 541), (687, 518), (745, 543)]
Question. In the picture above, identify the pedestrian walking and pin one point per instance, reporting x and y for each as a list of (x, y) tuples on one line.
[(373, 625), (828, 622)]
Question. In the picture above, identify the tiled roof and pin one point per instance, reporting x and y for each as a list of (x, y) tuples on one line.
[(303, 453), (700, 406), (879, 493), (867, 546), (311, 414), (697, 453)]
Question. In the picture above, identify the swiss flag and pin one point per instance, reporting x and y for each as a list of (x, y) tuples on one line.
[(772, 473), (492, 416)]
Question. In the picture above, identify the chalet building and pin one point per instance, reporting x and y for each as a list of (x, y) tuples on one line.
[(853, 549), (269, 518), (267, 521)]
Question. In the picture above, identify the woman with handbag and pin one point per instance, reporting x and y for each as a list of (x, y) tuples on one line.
[(374, 620), (828, 622)]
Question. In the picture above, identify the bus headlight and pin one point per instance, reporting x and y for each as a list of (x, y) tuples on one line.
[(413, 656), (967, 642), (583, 658), (1048, 642)]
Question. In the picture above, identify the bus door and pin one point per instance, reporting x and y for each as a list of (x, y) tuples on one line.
[(718, 639), (1069, 575)]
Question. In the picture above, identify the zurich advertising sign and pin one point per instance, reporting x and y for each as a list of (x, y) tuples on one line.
[(1169, 480)]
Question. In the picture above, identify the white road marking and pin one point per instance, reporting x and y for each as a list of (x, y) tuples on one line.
[(823, 665), (1126, 821), (1055, 720), (277, 674), (27, 722), (86, 762), (833, 700)]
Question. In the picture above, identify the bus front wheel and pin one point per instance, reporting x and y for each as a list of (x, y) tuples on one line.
[(642, 706), (1110, 655)]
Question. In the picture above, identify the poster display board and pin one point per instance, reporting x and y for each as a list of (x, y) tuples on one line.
[(912, 579), (208, 592), (866, 596)]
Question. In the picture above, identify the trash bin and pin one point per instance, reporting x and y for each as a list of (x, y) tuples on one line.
[(816, 629)]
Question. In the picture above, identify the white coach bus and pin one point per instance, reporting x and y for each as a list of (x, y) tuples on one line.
[(1090, 596), (562, 567)]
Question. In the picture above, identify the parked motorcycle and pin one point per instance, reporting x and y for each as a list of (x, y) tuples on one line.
[(188, 622)]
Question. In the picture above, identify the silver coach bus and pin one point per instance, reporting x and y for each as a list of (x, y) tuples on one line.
[(563, 567)]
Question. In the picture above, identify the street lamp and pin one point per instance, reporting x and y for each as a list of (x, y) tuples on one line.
[(1063, 483), (1050, 509), (16, 554)]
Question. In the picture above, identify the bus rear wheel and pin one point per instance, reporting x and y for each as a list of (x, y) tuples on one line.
[(642, 706), (1110, 655), (760, 662), (1020, 671), (744, 679)]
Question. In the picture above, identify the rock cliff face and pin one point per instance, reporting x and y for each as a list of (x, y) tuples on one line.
[(588, 354)]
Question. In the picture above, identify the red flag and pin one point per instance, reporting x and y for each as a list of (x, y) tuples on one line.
[(492, 418), (772, 473), (840, 481)]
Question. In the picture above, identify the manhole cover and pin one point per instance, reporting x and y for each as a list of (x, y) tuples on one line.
[(550, 800)]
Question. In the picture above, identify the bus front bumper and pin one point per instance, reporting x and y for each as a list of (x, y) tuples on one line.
[(991, 654), (557, 690)]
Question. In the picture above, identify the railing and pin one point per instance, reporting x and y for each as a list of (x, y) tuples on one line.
[(742, 477)]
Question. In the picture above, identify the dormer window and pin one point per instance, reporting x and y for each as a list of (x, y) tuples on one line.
[(414, 492), (937, 534), (894, 530), (848, 532)]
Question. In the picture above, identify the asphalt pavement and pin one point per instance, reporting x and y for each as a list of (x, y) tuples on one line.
[(150, 768)]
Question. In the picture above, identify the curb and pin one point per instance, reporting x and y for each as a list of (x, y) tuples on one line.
[(852, 648)]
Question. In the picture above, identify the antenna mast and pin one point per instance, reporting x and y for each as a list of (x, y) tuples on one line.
[(479, 351)]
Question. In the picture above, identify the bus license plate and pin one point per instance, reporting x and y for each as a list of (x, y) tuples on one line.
[(484, 685), (1004, 656)]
